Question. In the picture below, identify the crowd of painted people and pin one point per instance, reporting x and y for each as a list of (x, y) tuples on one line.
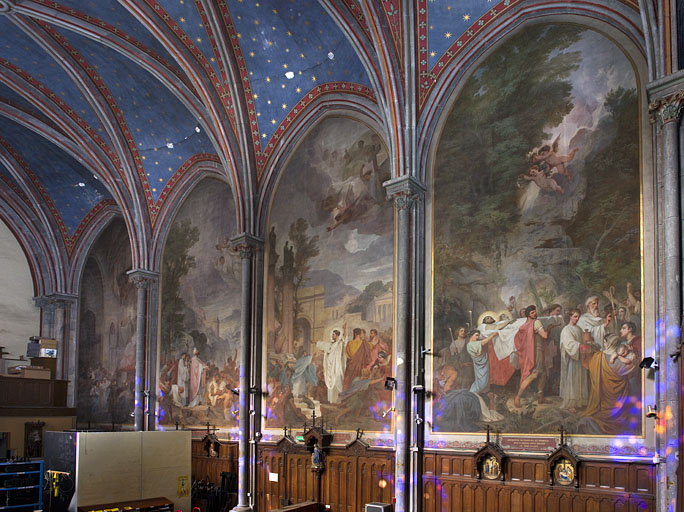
[(109, 396), (588, 356), (188, 383), (343, 377)]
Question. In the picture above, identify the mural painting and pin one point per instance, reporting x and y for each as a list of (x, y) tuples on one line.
[(106, 332), (329, 283), (537, 263), (200, 312)]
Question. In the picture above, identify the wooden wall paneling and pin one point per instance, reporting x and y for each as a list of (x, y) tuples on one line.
[(341, 484), (642, 479), (516, 501), (210, 468), (429, 464), (620, 479), (467, 499), (579, 503), (429, 499), (370, 473), (528, 501), (479, 498), (516, 470)]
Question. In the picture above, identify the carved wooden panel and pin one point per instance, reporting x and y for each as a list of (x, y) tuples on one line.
[(210, 468), (604, 486), (351, 478)]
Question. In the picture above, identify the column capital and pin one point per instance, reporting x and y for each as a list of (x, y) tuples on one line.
[(667, 109), (247, 245), (142, 278), (55, 300), (404, 191)]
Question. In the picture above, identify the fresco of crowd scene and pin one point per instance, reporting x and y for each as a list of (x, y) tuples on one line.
[(189, 382), (581, 361), (344, 381)]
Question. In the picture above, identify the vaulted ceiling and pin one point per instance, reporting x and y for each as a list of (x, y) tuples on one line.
[(108, 104)]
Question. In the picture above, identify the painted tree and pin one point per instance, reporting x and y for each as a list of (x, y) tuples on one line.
[(177, 263), (305, 248), (607, 222), (503, 111)]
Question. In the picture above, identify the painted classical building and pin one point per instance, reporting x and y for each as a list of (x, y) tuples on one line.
[(448, 232)]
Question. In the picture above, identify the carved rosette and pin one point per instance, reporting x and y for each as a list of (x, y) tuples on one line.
[(247, 245), (668, 109), (404, 191)]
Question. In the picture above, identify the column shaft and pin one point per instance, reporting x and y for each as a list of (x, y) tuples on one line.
[(140, 359), (402, 393), (671, 227)]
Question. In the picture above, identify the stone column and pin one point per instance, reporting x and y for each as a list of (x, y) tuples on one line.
[(404, 191), (257, 351), (59, 320), (247, 245), (666, 113), (141, 279), (151, 389), (47, 314)]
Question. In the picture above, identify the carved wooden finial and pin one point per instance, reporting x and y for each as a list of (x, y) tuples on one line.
[(285, 431), (313, 418), (208, 427), (562, 435), (488, 430)]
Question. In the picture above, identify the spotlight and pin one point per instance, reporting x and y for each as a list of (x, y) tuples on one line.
[(235, 391), (648, 362), (384, 414), (652, 411), (390, 383)]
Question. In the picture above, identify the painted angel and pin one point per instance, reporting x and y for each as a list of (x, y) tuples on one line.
[(549, 156), (542, 180)]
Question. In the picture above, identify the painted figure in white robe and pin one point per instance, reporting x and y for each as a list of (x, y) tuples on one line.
[(574, 379), (593, 322), (198, 377), (183, 381), (334, 364)]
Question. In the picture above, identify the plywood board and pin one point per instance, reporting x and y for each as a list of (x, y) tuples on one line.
[(123, 466)]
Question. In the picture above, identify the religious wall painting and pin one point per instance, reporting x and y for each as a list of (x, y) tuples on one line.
[(329, 272), (106, 332), (200, 311), (537, 296)]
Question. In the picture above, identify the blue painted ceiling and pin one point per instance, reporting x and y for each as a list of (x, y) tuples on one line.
[(86, 65)]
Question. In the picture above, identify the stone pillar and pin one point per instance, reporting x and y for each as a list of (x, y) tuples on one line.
[(59, 320), (151, 389), (47, 314), (666, 113), (247, 245), (404, 191), (257, 351), (141, 279)]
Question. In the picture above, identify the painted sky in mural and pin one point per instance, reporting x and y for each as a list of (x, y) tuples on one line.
[(106, 332), (541, 155), (329, 283), (200, 304)]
